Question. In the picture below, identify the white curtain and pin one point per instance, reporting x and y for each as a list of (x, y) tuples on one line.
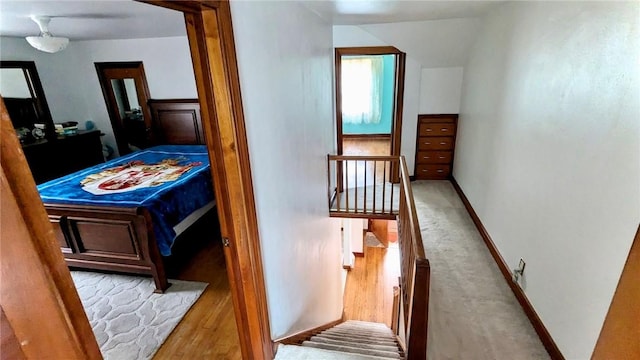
[(361, 90)]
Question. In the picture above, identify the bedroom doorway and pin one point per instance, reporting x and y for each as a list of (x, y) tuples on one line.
[(33, 251), (369, 101)]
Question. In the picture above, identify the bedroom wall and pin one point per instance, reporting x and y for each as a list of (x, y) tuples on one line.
[(289, 120), (440, 90), (351, 35), (71, 83), (548, 153)]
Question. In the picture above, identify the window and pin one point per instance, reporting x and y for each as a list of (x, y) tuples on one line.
[(361, 89)]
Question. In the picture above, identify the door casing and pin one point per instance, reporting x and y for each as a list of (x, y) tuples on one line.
[(210, 34), (396, 126)]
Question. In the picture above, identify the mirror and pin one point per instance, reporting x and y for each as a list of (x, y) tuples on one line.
[(24, 98), (126, 94)]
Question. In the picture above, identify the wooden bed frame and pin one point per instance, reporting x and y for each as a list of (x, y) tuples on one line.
[(121, 239)]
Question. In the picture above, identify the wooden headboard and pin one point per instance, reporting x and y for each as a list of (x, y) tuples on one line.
[(177, 121)]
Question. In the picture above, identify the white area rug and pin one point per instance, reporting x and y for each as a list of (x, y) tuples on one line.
[(128, 319)]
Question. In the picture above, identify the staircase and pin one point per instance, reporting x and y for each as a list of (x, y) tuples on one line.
[(350, 340)]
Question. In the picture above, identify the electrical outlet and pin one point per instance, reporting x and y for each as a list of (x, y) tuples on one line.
[(517, 273), (521, 266)]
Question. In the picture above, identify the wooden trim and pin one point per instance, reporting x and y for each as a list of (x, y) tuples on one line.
[(358, 254), (367, 136), (210, 35), (35, 87), (135, 70), (36, 283), (538, 325), (368, 50), (301, 336), (619, 338), (398, 106), (395, 315)]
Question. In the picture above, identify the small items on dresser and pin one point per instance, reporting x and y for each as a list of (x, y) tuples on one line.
[(435, 143)]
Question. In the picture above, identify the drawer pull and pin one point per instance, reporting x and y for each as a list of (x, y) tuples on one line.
[(426, 157), (440, 170), (427, 143), (429, 129), (440, 157), (424, 170), (443, 143), (444, 129)]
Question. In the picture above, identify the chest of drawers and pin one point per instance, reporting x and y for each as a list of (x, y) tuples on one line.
[(435, 143)]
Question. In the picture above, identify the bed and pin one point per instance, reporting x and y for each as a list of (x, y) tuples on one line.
[(125, 214)]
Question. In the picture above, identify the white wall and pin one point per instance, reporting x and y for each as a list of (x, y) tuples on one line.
[(285, 61), (440, 90), (548, 153), (433, 43), (348, 36), (71, 83)]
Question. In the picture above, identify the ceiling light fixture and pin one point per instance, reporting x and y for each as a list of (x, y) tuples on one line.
[(46, 42)]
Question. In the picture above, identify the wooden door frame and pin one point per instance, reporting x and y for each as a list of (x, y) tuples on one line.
[(210, 34), (398, 102)]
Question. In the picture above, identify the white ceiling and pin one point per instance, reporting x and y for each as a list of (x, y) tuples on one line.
[(359, 12), (91, 20), (125, 19)]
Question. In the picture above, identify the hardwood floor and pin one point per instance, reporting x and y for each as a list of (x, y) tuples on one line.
[(366, 147), (369, 289), (208, 330)]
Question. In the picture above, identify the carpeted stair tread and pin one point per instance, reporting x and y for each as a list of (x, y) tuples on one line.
[(359, 334), (357, 326), (355, 350), (361, 323), (364, 331), (387, 342), (363, 326), (354, 343), (293, 352)]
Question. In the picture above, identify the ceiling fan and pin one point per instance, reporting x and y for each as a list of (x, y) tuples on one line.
[(46, 41)]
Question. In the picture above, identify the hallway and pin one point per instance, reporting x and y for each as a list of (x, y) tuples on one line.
[(472, 312)]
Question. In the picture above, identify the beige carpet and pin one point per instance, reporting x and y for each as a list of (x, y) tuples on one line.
[(473, 314), (128, 319)]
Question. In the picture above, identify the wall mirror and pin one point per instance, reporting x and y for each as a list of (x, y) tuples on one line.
[(126, 95), (24, 98)]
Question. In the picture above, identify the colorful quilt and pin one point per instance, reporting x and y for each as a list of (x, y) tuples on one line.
[(171, 181)]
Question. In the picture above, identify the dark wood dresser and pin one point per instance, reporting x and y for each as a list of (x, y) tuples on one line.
[(435, 143), (50, 159)]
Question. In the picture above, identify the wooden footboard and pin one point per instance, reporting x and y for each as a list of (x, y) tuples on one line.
[(108, 238)]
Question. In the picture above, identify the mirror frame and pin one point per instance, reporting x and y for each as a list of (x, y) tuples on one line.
[(108, 71), (35, 87)]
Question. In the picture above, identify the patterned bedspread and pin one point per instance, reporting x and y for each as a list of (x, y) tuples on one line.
[(171, 181)]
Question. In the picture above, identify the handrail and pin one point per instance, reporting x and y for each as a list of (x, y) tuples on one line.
[(415, 271)]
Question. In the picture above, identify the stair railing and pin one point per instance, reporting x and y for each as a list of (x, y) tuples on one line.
[(370, 176), (361, 186), (415, 272)]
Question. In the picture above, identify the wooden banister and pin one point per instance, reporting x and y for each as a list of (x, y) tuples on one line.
[(415, 271)]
